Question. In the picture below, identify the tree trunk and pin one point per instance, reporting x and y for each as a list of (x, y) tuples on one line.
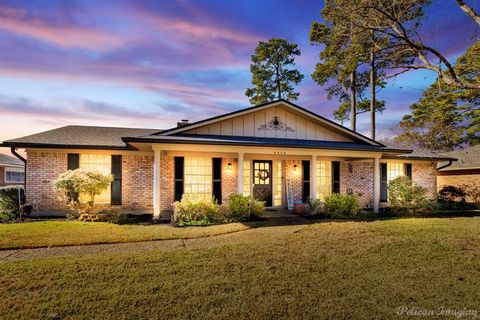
[(353, 101), (372, 94), (278, 84)]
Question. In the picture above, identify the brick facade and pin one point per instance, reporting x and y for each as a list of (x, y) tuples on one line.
[(358, 176), (294, 176), (137, 180), (458, 180), (425, 174), (2, 176), (42, 169)]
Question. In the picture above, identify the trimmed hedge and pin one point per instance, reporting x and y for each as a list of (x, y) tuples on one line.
[(9, 202)]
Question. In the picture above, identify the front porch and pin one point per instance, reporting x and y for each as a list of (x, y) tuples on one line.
[(280, 177)]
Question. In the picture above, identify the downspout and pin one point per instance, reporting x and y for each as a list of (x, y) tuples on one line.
[(16, 154), (447, 165)]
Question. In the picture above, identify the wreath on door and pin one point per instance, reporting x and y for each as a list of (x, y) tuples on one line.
[(263, 174)]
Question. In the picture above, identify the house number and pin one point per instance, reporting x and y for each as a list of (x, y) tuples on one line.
[(279, 152)]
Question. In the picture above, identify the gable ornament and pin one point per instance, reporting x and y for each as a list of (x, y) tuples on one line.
[(275, 124)]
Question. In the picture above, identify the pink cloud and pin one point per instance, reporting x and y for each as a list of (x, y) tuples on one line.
[(66, 36)]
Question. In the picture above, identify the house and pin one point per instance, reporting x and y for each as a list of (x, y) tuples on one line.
[(464, 171), (12, 171), (277, 152)]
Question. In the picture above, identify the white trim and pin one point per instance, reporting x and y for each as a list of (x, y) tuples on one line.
[(266, 106), (376, 184), (240, 173), (156, 184)]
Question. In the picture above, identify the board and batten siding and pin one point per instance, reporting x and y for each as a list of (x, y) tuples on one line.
[(247, 125)]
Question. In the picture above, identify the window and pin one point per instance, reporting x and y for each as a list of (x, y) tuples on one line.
[(247, 183), (277, 183), (102, 163), (389, 172), (14, 175), (324, 179), (198, 176), (395, 170)]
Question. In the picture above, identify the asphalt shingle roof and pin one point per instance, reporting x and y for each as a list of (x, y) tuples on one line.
[(5, 161), (82, 136), (467, 158)]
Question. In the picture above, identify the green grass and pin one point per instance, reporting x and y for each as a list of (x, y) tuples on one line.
[(336, 270), (64, 233)]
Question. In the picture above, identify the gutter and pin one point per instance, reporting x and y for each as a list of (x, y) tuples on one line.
[(445, 166)]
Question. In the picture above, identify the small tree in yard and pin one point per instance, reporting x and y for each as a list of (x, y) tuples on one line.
[(406, 197), (72, 183)]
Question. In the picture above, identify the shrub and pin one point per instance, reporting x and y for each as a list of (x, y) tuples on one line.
[(341, 205), (241, 207), (313, 205), (406, 197), (72, 183), (195, 209), (9, 202), (473, 194), (455, 198)]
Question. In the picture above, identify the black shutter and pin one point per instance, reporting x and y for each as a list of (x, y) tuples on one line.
[(217, 179), (116, 189), (306, 180), (73, 161), (179, 174), (335, 176), (408, 170), (383, 182)]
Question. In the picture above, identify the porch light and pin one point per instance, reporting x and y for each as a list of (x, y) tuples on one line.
[(295, 168), (229, 166)]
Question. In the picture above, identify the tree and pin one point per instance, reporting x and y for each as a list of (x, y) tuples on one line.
[(272, 73), (398, 21), (446, 117), (343, 112), (469, 10)]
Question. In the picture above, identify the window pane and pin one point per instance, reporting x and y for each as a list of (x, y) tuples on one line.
[(198, 176), (103, 164), (324, 179)]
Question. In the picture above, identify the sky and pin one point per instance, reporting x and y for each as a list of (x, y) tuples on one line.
[(150, 64)]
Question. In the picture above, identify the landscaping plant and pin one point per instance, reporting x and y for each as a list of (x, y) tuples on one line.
[(241, 207), (9, 202), (313, 205), (340, 205), (196, 209), (72, 183), (407, 197)]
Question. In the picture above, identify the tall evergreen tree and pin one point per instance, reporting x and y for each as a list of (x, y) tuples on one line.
[(273, 75), (446, 117)]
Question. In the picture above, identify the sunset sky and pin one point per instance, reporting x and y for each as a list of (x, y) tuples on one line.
[(152, 63)]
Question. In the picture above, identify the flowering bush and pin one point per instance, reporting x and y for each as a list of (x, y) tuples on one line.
[(72, 183)]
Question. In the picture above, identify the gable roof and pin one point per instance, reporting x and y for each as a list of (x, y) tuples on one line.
[(328, 123), (81, 137), (7, 161), (467, 159)]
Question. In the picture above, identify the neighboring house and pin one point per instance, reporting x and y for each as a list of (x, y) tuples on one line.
[(277, 152), (12, 171), (464, 171)]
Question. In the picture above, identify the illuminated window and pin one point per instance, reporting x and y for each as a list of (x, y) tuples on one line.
[(198, 176), (277, 183), (324, 179), (395, 170), (246, 177), (97, 162)]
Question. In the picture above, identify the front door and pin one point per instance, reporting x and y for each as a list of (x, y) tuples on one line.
[(262, 181)]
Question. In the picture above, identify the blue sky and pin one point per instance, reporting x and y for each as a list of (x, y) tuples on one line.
[(152, 63)]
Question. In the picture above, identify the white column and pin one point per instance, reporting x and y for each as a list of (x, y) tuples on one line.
[(240, 173), (313, 177), (376, 184), (156, 184)]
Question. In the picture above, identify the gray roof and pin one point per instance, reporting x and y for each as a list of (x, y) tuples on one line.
[(423, 155), (467, 158), (6, 161), (261, 141), (81, 137)]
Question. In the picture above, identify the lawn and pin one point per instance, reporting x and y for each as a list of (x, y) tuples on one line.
[(325, 270), (64, 233)]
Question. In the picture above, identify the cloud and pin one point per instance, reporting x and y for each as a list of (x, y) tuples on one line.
[(64, 35)]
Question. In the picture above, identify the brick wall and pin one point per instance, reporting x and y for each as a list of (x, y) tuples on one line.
[(358, 176), (42, 169), (295, 178), (229, 178), (2, 176), (425, 174), (167, 185), (137, 182)]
